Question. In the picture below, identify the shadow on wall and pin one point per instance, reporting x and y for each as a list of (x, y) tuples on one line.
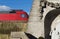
[(30, 36)]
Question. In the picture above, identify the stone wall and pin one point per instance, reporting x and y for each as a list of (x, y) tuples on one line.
[(6, 27)]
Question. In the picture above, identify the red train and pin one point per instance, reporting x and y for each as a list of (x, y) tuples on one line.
[(13, 15)]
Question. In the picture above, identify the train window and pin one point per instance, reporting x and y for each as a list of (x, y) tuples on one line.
[(23, 15), (13, 11)]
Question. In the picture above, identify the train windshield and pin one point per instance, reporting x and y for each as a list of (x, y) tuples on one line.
[(13, 11)]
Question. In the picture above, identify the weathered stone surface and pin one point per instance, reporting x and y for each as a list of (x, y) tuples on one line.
[(18, 35), (35, 24), (54, 1)]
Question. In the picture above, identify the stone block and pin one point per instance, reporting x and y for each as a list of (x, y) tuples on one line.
[(18, 35)]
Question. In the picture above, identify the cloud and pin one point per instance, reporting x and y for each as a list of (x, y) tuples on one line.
[(4, 8)]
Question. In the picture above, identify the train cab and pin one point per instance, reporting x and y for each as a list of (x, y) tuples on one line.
[(13, 15)]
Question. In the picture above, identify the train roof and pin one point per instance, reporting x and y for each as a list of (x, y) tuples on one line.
[(11, 11)]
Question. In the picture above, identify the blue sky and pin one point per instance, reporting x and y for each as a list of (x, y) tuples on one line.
[(17, 4)]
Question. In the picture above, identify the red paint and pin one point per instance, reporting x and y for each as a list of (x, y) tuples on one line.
[(14, 16)]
